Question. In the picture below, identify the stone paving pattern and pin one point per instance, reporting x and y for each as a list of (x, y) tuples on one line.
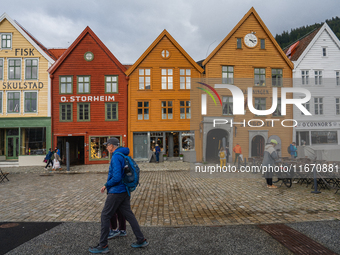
[(168, 196)]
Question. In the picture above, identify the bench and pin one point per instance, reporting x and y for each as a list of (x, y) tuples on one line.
[(3, 176)]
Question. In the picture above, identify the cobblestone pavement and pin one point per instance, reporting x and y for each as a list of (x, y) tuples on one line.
[(164, 198)]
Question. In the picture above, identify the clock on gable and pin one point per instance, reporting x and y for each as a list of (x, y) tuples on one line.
[(250, 40)]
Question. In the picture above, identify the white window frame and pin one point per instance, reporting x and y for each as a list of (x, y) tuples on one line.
[(318, 77), (317, 105), (337, 78), (3, 65), (10, 91), (24, 112), (337, 104), (144, 76), (305, 77), (10, 48), (9, 79), (307, 105), (167, 80), (186, 84), (37, 69)]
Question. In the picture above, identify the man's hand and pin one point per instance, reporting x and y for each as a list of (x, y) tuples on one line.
[(103, 189)]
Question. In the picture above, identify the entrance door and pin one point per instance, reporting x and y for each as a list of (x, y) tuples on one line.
[(257, 146), (140, 145), (216, 138), (12, 147)]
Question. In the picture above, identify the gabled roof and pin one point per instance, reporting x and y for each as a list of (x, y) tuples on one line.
[(35, 43), (86, 31), (57, 52), (270, 36), (153, 45), (310, 40)]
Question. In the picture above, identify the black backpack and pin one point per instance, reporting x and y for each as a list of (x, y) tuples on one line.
[(288, 149)]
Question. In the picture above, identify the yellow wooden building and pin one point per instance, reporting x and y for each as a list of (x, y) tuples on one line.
[(25, 110), (159, 100), (248, 56)]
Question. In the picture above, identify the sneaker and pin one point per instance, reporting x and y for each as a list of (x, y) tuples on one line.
[(123, 233), (113, 233), (141, 244), (99, 249)]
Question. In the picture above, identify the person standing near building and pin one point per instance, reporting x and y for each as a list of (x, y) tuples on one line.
[(269, 157), (157, 151), (293, 150), (238, 152), (223, 156), (117, 199), (228, 153)]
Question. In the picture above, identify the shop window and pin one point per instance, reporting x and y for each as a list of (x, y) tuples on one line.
[(324, 137), (98, 151), (188, 141), (227, 105), (33, 141), (305, 77), (31, 69), (302, 138), (228, 74), (65, 112), (31, 101), (65, 85), (337, 106), (318, 105), (185, 110), (1, 69), (14, 69), (6, 41), (277, 111), (13, 102), (276, 77), (84, 83), (111, 84), (318, 77), (185, 78), (143, 110), (260, 76), (167, 79), (144, 78), (111, 111), (167, 110), (156, 138), (84, 111)]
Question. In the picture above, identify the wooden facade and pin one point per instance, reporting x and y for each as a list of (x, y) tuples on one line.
[(245, 62), (159, 98), (89, 98)]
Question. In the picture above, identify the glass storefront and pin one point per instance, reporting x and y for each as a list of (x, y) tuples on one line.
[(98, 151), (188, 141), (33, 141)]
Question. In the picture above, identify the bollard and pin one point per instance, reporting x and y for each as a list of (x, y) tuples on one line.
[(315, 183), (68, 156)]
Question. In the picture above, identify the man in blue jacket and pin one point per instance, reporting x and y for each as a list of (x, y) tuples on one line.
[(117, 199), (293, 150)]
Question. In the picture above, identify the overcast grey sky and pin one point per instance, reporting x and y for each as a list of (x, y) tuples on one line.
[(128, 27)]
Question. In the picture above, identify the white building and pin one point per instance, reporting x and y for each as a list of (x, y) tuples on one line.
[(316, 59)]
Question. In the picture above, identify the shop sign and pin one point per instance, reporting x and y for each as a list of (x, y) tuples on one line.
[(87, 99), (318, 124), (22, 85)]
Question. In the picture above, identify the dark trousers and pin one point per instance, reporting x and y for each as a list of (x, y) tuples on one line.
[(121, 221), (121, 202), (48, 162), (157, 156), (269, 181), (236, 157)]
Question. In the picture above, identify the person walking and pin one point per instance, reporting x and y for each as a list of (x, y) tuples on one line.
[(117, 199), (56, 160), (157, 151), (114, 229), (223, 157), (228, 153), (293, 150), (238, 152), (269, 157), (49, 158)]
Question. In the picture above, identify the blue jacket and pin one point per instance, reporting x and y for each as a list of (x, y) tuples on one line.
[(292, 149), (114, 183), (49, 155)]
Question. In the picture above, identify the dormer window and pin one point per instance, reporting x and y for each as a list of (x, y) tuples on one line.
[(6, 41)]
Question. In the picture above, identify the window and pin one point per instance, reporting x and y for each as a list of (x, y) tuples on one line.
[(184, 109), (337, 106), (165, 54), (337, 75), (31, 101), (111, 111), (318, 106), (324, 51), (144, 78), (6, 41), (65, 112), (260, 103), (318, 77), (98, 151), (324, 137), (263, 44), (33, 141), (111, 84), (167, 79), (228, 74), (14, 69), (188, 141), (276, 77), (156, 138), (239, 43), (13, 102), (185, 78), (227, 105), (167, 110), (83, 112), (83, 84), (0, 103), (1, 69), (307, 106), (143, 110), (31, 69), (305, 77), (277, 111), (302, 138), (65, 85), (260, 76)]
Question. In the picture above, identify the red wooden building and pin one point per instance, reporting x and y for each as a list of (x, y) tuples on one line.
[(89, 100)]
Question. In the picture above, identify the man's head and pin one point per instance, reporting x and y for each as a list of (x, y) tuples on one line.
[(293, 143), (112, 144)]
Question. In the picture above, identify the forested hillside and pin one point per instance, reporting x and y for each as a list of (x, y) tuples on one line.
[(286, 38)]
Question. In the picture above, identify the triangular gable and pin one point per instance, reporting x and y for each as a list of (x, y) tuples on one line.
[(86, 31), (153, 45), (315, 38), (270, 36), (40, 48)]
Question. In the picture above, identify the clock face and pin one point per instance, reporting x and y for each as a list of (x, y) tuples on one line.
[(250, 40), (88, 56)]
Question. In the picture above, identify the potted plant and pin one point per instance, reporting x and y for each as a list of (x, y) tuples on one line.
[(181, 156), (164, 157)]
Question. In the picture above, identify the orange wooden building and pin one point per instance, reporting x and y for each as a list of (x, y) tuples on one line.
[(89, 100), (248, 57), (159, 100)]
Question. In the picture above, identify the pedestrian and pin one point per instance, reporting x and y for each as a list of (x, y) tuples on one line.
[(269, 157), (114, 229), (58, 151), (228, 153), (238, 152), (117, 199), (49, 158), (157, 151), (293, 150), (56, 160), (223, 157)]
